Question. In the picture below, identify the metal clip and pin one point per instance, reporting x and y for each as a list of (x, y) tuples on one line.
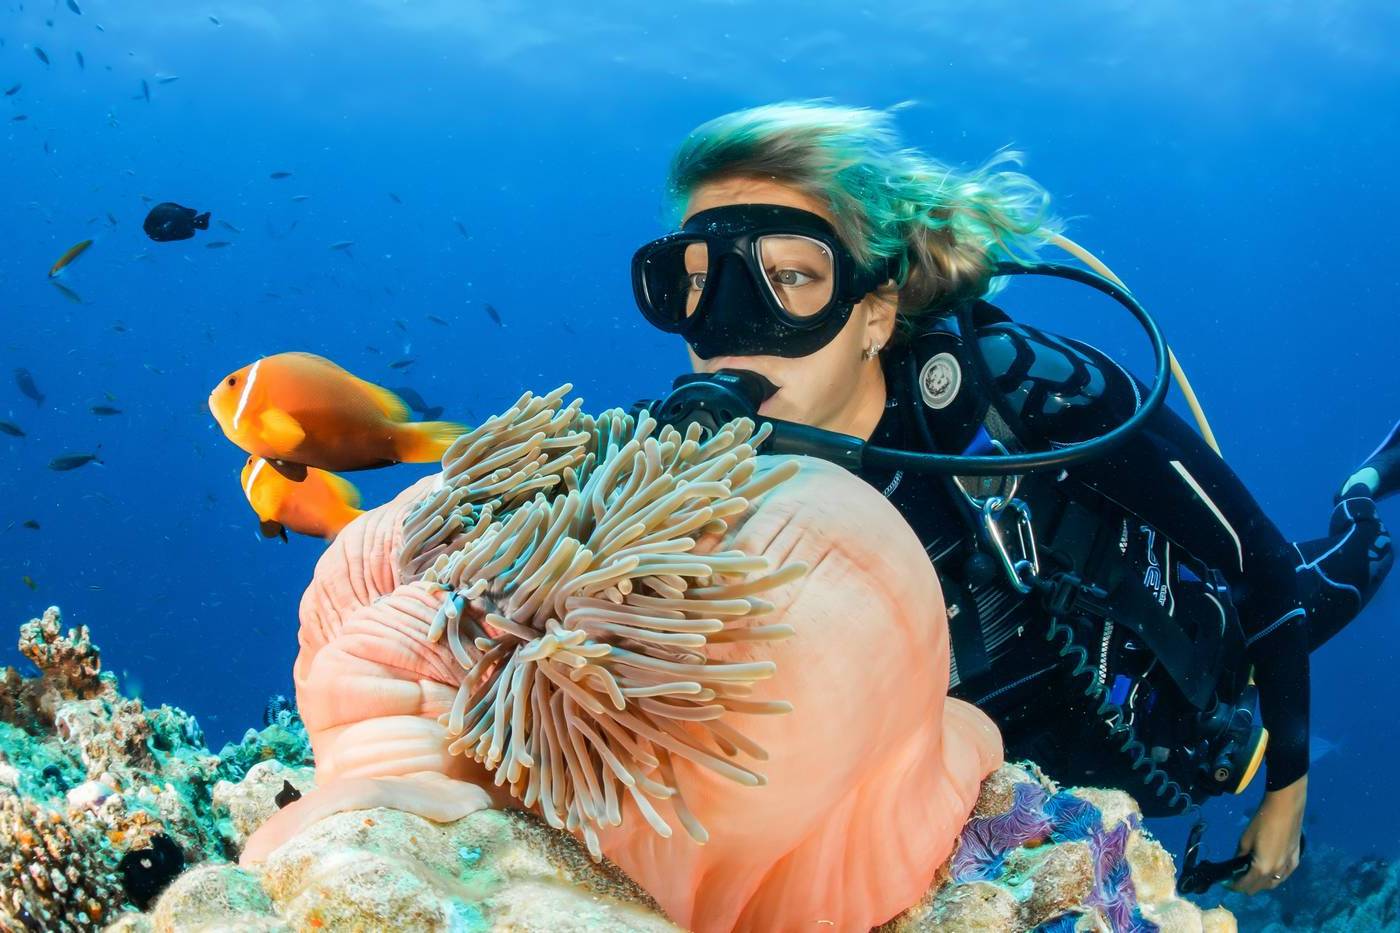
[(1022, 570)]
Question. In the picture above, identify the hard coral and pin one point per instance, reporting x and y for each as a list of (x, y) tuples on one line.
[(55, 874)]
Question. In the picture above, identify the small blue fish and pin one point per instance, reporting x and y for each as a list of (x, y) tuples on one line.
[(145, 90), (43, 56), (73, 5), (82, 63), (215, 21)]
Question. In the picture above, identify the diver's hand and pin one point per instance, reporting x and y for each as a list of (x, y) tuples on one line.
[(1274, 837)]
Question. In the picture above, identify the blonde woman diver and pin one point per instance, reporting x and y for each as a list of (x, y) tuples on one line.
[(833, 275)]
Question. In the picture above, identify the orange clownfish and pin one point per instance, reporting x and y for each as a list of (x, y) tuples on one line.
[(299, 410), (319, 505)]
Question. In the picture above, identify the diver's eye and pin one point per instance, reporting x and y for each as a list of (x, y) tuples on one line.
[(695, 281), (789, 278), (232, 380)]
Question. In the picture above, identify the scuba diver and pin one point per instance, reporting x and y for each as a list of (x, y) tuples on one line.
[(1117, 600)]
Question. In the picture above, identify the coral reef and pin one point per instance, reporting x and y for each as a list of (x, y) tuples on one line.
[(89, 777), (1331, 892), (1034, 856), (1031, 855)]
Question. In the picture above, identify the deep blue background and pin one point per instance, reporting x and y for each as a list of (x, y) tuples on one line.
[(1234, 162)]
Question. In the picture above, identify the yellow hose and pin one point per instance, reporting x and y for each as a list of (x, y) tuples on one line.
[(1179, 374)]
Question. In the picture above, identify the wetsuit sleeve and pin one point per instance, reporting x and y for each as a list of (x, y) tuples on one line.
[(1054, 392)]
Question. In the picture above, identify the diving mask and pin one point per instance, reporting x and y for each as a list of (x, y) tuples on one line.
[(752, 280)]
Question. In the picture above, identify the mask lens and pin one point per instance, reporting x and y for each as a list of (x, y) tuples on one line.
[(800, 273), (674, 276)]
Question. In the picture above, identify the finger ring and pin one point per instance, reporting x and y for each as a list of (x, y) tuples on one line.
[(1277, 877)]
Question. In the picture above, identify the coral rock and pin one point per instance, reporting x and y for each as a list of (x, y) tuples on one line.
[(251, 801), (71, 663), (54, 874)]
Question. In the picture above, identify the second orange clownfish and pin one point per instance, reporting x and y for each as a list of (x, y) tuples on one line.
[(320, 505)]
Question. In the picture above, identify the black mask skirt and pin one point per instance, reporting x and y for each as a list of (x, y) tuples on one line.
[(752, 280)]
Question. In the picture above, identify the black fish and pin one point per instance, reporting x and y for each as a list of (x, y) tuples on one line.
[(169, 221), (372, 349), (215, 21), (14, 430), (43, 56), (437, 320), (343, 245), (73, 5), (228, 226), (395, 198), (12, 91), (105, 410), (147, 872), (416, 402), (110, 219), (19, 118), (461, 229), (217, 244), (67, 292), (278, 176), (145, 90), (27, 388), (403, 363), (81, 62), (401, 324), (72, 462), (494, 315), (119, 327), (31, 524), (288, 794)]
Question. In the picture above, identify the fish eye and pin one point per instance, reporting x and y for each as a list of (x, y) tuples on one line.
[(232, 380)]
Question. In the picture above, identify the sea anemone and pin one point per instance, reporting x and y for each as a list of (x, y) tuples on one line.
[(581, 605)]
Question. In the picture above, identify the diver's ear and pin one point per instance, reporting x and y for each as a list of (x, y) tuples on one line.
[(881, 307)]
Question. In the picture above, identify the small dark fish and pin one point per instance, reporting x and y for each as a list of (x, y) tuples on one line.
[(72, 253), (395, 198), (494, 315), (401, 324), (145, 90), (217, 244), (372, 349), (146, 198), (119, 327), (169, 221), (67, 292), (110, 219), (12, 429), (437, 320), (31, 524), (461, 229), (105, 410), (72, 462), (278, 176), (19, 118), (288, 794), (215, 21), (47, 150), (43, 56), (167, 79), (73, 5), (343, 245), (29, 582), (228, 226), (12, 91), (82, 63), (416, 402), (298, 198), (403, 363)]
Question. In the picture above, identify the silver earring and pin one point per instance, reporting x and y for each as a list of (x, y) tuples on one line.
[(871, 351)]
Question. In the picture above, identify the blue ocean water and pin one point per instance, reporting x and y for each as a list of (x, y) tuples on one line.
[(1232, 161)]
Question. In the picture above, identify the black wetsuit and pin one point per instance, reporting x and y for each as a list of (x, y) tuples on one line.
[(1290, 597)]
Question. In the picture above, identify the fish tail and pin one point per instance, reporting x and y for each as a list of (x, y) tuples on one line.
[(427, 441), (202, 221)]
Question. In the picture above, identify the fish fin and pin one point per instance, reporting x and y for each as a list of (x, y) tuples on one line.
[(272, 530), (202, 220), (344, 490), (393, 407), (426, 441), (347, 516), (280, 430), (296, 472), (432, 414)]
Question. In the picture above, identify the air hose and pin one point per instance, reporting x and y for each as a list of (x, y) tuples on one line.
[(1115, 719)]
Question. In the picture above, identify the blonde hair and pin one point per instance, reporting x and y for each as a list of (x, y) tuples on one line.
[(946, 227)]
